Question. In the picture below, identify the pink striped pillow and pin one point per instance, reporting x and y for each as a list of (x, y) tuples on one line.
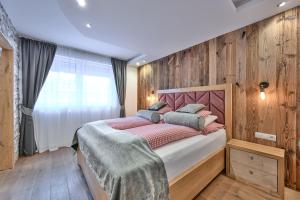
[(204, 113), (212, 127), (164, 110)]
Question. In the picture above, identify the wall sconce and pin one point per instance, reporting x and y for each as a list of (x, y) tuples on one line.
[(262, 86), (151, 97)]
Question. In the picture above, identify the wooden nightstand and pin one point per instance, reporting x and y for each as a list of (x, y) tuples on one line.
[(257, 165)]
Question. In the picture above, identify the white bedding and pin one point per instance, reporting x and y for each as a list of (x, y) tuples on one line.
[(181, 155)]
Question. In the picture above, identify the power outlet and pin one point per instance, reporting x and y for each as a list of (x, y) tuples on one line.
[(265, 136)]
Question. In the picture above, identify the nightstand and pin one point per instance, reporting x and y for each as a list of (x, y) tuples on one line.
[(257, 165)]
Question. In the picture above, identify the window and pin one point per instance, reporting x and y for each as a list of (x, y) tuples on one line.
[(79, 88), (77, 83)]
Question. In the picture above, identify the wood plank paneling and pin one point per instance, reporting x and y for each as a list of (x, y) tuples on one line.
[(286, 91), (240, 94), (265, 51), (298, 103)]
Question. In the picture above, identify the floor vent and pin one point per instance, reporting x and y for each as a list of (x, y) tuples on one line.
[(239, 3)]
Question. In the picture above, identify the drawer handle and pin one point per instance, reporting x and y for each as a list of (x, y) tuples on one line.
[(251, 157), (251, 172)]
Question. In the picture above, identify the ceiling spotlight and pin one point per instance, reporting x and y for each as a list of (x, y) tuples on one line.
[(144, 61), (281, 4), (88, 25), (137, 64), (81, 3)]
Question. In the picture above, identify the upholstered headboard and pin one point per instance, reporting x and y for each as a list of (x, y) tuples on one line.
[(217, 98), (213, 100)]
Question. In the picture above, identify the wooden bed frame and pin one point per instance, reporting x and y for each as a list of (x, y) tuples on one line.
[(190, 183)]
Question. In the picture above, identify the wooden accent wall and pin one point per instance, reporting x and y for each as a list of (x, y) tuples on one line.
[(265, 51)]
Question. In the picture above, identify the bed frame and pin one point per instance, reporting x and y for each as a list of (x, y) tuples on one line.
[(190, 183)]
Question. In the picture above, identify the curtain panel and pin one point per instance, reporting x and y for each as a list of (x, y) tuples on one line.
[(120, 74), (80, 88), (36, 60)]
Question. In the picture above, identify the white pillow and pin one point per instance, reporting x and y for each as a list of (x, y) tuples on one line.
[(210, 119)]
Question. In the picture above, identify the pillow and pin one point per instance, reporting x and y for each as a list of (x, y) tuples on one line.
[(191, 108), (164, 110), (150, 115), (156, 106), (210, 119), (204, 113), (212, 127), (185, 119)]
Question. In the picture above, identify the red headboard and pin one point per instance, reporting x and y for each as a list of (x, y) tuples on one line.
[(217, 98)]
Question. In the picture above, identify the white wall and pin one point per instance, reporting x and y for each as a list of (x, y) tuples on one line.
[(131, 91)]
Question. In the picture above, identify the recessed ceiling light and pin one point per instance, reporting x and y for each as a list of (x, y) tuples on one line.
[(144, 61), (137, 64), (281, 4), (88, 25), (81, 3)]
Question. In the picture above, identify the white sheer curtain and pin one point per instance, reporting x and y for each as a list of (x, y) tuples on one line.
[(80, 88)]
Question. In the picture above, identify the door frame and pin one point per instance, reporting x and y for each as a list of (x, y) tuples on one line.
[(6, 105)]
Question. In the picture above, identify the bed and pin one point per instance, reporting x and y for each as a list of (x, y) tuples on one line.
[(187, 175)]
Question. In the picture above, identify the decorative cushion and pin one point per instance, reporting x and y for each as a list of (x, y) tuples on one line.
[(204, 113), (158, 105), (164, 110), (191, 108), (150, 115), (210, 119), (212, 127), (185, 119)]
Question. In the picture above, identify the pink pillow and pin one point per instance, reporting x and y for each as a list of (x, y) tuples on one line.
[(204, 113), (164, 110), (213, 127)]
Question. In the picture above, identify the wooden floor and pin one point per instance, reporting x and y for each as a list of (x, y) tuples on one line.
[(56, 175)]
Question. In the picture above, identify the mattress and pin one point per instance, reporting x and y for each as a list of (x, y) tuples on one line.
[(179, 156)]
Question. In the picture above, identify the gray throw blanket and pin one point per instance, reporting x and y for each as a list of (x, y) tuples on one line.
[(123, 163)]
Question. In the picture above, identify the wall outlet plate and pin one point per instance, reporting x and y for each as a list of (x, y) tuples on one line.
[(265, 136)]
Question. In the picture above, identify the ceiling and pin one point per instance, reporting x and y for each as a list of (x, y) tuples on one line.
[(141, 29)]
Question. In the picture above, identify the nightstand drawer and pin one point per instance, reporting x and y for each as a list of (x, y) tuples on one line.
[(257, 165), (254, 176), (258, 162)]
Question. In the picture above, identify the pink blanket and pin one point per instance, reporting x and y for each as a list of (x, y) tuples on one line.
[(158, 135), (127, 122)]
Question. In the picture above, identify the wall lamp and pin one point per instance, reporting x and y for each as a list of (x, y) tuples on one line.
[(151, 97), (262, 86)]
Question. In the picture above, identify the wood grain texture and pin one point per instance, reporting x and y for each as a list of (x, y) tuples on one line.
[(258, 165), (194, 180), (6, 108), (265, 51), (298, 102), (45, 176), (32, 178), (228, 189)]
